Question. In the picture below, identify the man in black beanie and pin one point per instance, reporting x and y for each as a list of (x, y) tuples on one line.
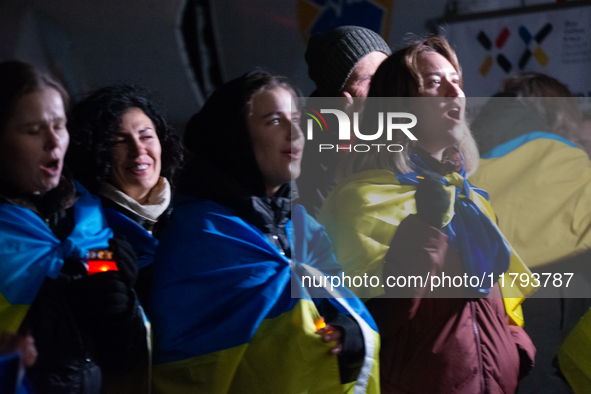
[(341, 63)]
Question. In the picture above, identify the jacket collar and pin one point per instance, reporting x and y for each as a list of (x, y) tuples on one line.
[(269, 214)]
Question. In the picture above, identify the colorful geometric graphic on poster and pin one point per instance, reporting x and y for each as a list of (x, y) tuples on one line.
[(319, 16), (557, 43)]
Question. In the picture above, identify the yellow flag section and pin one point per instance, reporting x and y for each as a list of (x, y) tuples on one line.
[(11, 316), (540, 187), (363, 212), (30, 252), (574, 356), (252, 368)]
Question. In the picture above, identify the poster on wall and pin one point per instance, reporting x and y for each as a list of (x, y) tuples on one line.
[(274, 34), (319, 16), (555, 42)]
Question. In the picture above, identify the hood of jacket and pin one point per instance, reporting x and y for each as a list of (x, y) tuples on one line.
[(223, 167)]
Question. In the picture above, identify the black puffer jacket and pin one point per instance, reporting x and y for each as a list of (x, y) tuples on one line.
[(76, 350)]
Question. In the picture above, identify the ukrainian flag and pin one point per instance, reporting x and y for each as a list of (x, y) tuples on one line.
[(364, 211), (547, 174), (223, 314), (30, 252)]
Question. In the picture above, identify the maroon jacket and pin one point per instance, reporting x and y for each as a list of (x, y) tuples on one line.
[(443, 345)]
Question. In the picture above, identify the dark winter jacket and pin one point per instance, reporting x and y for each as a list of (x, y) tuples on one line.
[(76, 348), (444, 345)]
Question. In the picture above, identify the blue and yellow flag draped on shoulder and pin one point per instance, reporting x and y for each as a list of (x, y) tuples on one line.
[(363, 212), (30, 252), (223, 315)]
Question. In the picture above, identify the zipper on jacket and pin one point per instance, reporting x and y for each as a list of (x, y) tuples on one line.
[(478, 349)]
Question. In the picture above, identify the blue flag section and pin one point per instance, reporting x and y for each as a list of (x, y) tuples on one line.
[(30, 252)]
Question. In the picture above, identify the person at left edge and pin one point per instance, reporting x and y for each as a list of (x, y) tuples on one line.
[(84, 327), (124, 151)]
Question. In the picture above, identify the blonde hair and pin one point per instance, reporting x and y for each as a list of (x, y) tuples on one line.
[(398, 77)]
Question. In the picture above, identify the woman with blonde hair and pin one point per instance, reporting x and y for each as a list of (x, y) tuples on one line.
[(400, 82), (412, 214)]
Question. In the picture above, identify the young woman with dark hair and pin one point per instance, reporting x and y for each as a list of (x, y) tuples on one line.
[(124, 151), (222, 308), (95, 124)]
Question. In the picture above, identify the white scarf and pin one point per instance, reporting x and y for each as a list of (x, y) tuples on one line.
[(158, 200)]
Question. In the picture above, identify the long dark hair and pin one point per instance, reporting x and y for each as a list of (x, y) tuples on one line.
[(94, 122)]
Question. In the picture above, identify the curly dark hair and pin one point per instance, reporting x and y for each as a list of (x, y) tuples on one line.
[(93, 123)]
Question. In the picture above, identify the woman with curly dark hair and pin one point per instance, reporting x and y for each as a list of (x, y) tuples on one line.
[(124, 151)]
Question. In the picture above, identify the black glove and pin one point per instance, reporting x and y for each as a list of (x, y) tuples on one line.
[(353, 353), (126, 261), (103, 294), (109, 293), (432, 200)]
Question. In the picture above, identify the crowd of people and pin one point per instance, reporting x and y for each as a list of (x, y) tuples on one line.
[(204, 242)]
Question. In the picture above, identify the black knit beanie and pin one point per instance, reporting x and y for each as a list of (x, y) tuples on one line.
[(333, 55)]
